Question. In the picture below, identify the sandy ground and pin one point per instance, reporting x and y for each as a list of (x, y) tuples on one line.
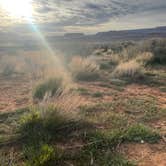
[(16, 93), (143, 154)]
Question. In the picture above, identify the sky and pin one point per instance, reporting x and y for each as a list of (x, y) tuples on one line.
[(56, 17), (28, 24)]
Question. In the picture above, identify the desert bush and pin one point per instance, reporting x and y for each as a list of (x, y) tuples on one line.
[(32, 128), (158, 48), (155, 47), (159, 56), (84, 69), (39, 122), (144, 58), (52, 86), (40, 156), (128, 69), (110, 62), (115, 59), (139, 132), (41, 127)]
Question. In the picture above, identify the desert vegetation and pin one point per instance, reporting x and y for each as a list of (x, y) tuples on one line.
[(84, 69), (49, 87), (89, 112)]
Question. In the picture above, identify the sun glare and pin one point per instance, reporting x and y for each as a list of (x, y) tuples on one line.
[(17, 8)]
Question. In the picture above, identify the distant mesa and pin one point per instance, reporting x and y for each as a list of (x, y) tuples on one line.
[(74, 35), (135, 34)]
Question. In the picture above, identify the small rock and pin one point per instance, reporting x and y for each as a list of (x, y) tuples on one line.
[(142, 142)]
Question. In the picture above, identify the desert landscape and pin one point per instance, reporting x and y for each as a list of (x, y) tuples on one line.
[(82, 83), (108, 108)]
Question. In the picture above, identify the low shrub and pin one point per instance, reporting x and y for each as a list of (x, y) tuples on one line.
[(130, 69), (32, 128), (105, 140), (83, 69), (40, 156), (39, 128), (144, 58), (139, 132), (40, 124), (158, 48), (114, 59), (52, 86)]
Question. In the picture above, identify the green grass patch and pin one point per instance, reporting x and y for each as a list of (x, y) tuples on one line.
[(98, 158), (97, 94), (100, 149), (43, 129), (83, 91), (143, 109), (90, 109), (87, 76), (42, 155), (139, 132)]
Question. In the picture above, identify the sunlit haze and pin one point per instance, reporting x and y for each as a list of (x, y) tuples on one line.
[(17, 8)]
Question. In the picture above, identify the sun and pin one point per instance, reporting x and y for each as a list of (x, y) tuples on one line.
[(17, 8)]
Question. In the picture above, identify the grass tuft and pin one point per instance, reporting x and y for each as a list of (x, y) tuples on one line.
[(52, 86), (42, 155), (139, 132), (130, 69), (84, 69)]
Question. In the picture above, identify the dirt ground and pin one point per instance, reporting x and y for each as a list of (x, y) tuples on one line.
[(16, 93), (144, 154)]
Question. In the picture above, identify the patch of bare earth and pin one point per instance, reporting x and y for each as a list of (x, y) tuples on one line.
[(146, 154), (93, 87), (142, 90), (14, 93)]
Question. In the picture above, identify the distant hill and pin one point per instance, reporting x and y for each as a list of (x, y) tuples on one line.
[(72, 42), (74, 35), (136, 34)]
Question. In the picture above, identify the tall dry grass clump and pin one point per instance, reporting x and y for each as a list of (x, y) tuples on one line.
[(115, 59), (52, 86), (55, 83), (128, 69), (144, 58), (84, 69), (49, 87)]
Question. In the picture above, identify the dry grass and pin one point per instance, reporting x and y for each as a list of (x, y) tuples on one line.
[(115, 59), (128, 69), (68, 103), (144, 57), (53, 86), (35, 64), (84, 69)]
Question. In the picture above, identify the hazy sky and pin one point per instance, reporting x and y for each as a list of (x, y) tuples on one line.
[(88, 16)]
